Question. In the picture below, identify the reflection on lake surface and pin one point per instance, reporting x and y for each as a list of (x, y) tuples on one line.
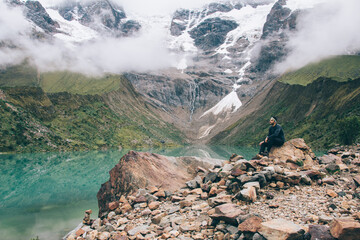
[(46, 194)]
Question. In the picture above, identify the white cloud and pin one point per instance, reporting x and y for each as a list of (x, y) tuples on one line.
[(144, 52), (328, 29)]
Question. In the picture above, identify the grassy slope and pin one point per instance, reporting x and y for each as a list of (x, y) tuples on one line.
[(75, 112), (75, 83), (19, 76), (309, 112), (340, 68)]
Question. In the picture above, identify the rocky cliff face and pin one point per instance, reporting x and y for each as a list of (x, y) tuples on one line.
[(211, 33), (36, 13), (103, 16), (279, 23)]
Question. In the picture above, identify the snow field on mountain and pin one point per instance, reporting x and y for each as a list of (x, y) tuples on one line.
[(73, 31), (251, 21), (230, 102)]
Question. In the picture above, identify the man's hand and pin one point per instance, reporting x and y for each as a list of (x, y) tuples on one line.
[(266, 139), (261, 143)]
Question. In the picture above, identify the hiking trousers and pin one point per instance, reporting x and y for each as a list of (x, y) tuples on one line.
[(270, 143)]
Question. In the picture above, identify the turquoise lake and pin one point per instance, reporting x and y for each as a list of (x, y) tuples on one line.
[(45, 194)]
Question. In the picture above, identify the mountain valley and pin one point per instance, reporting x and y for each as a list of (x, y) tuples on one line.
[(218, 87)]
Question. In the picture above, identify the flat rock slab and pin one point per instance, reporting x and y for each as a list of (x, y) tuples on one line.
[(251, 224), (228, 213), (281, 229)]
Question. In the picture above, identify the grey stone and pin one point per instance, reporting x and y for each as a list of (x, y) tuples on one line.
[(332, 168), (192, 184), (329, 159), (227, 167), (305, 180), (256, 185), (232, 229), (211, 176), (257, 236), (135, 230), (320, 232)]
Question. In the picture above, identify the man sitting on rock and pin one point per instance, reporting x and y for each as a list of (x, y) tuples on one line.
[(274, 138)]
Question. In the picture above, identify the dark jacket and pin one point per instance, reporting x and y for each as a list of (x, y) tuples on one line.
[(276, 132)]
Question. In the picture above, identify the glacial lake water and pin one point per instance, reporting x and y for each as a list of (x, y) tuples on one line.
[(45, 194)]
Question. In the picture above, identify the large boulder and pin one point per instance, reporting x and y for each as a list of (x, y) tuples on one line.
[(281, 229), (137, 170), (294, 151), (227, 212), (345, 229)]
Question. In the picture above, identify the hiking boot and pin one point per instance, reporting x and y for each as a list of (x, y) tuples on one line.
[(257, 157), (265, 154)]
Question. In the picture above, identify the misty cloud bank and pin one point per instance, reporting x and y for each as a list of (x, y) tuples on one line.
[(331, 28)]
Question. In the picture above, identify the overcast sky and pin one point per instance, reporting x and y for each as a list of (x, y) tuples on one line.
[(332, 28)]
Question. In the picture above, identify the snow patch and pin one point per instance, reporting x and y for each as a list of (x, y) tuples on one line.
[(73, 31), (183, 43), (182, 65), (251, 22), (230, 103), (207, 131), (226, 58), (228, 71)]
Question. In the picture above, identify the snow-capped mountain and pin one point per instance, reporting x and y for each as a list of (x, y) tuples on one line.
[(224, 50), (80, 21)]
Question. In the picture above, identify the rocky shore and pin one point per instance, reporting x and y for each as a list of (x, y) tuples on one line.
[(291, 194)]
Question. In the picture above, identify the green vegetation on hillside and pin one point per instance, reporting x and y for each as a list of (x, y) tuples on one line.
[(340, 68), (76, 83), (67, 111), (19, 76), (349, 129), (311, 111)]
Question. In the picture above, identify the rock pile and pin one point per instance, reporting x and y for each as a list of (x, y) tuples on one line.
[(264, 198)]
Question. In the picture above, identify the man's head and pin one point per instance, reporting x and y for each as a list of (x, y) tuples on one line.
[(273, 121)]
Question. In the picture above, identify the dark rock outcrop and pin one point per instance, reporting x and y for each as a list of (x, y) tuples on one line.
[(279, 18), (211, 33), (279, 22), (37, 13), (130, 27), (182, 17), (200, 91), (218, 7), (179, 22)]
